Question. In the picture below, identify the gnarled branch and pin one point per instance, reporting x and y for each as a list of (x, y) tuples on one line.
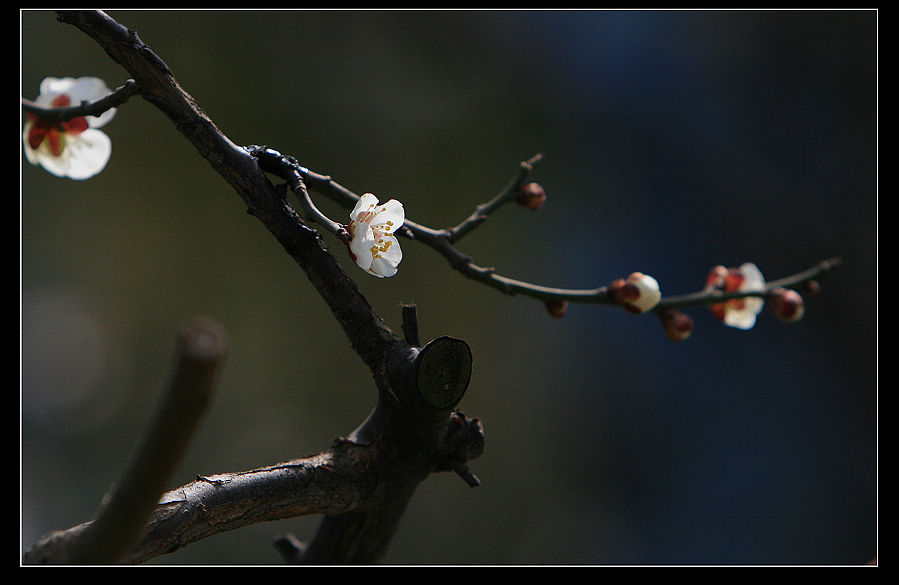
[(410, 433)]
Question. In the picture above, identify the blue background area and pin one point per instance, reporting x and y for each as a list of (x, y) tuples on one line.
[(673, 141)]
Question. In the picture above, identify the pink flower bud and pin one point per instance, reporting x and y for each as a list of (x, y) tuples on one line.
[(787, 305)]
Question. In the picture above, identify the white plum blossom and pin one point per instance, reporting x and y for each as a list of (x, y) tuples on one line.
[(75, 148), (740, 313), (373, 246)]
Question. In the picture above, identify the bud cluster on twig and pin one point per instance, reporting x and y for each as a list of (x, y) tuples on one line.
[(62, 138)]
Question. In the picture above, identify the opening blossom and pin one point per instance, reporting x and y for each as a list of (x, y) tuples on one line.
[(638, 293), (74, 148), (373, 246), (740, 313)]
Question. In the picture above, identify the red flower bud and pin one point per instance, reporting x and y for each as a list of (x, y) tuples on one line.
[(678, 326), (787, 305), (531, 196)]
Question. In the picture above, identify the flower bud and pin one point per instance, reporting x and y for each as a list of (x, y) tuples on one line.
[(787, 305), (531, 196), (557, 308), (678, 326), (638, 293), (811, 288), (716, 277)]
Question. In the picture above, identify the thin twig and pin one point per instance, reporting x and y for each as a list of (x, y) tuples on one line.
[(442, 240), (116, 98), (287, 168), (482, 211), (712, 296)]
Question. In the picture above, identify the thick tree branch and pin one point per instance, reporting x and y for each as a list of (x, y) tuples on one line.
[(328, 483), (411, 433), (332, 482), (368, 334), (128, 506), (363, 484)]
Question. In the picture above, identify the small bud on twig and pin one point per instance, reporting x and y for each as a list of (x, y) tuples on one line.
[(787, 305), (531, 196), (678, 326), (557, 308), (638, 293), (812, 287)]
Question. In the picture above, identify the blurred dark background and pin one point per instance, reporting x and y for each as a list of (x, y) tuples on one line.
[(673, 141)]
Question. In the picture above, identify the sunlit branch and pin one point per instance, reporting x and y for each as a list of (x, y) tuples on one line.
[(286, 167)]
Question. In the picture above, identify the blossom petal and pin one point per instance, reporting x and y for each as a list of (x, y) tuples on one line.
[(84, 155), (387, 258), (743, 319), (392, 250), (360, 245), (89, 152), (389, 218), (365, 204)]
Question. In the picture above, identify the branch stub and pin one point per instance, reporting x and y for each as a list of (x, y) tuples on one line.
[(444, 370)]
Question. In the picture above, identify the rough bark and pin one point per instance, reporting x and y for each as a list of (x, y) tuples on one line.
[(363, 483)]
